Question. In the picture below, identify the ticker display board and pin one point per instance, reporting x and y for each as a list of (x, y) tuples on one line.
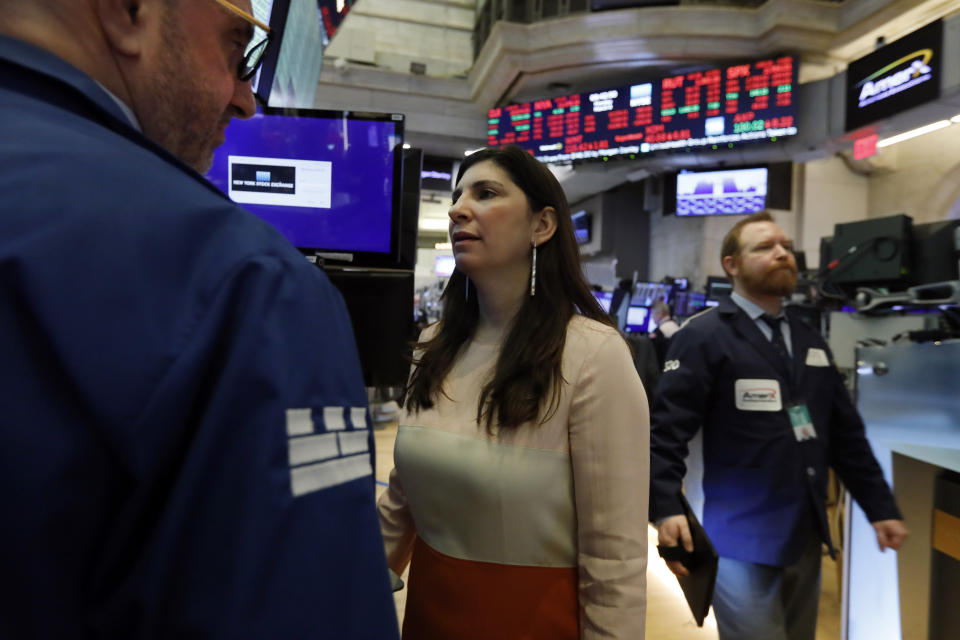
[(716, 108)]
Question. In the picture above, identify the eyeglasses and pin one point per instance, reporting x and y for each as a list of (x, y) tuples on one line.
[(253, 55)]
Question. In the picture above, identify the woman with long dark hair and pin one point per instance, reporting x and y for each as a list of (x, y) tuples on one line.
[(522, 460)]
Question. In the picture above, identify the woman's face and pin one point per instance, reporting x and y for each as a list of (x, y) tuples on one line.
[(491, 223)]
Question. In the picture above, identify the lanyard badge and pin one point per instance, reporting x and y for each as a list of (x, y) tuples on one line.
[(801, 422)]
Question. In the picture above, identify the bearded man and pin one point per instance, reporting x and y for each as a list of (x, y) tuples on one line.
[(184, 441), (775, 415)]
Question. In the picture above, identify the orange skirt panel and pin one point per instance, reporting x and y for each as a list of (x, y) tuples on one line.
[(453, 599)]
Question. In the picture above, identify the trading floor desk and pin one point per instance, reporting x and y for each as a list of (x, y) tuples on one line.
[(909, 396)]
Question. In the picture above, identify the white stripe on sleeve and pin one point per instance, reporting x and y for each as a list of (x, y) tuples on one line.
[(353, 442), (323, 475), (333, 418), (358, 416), (313, 448), (299, 422)]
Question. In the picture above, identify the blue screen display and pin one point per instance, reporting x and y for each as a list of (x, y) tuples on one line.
[(730, 191), (605, 298), (326, 180), (637, 319)]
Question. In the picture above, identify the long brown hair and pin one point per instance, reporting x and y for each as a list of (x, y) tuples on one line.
[(528, 374)]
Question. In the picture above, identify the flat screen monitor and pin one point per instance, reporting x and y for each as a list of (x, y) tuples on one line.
[(937, 248), (330, 181), (717, 287), (273, 13), (291, 67), (443, 266), (651, 323), (604, 298), (650, 293), (723, 192), (437, 174), (695, 303), (876, 252), (712, 108), (582, 226), (380, 304), (637, 319)]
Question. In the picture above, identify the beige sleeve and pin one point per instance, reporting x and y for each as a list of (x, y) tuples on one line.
[(396, 521), (610, 451), (396, 524)]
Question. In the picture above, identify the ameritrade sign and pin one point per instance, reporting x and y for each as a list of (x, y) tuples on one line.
[(900, 76), (879, 86)]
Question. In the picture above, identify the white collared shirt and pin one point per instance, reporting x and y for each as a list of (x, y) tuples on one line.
[(127, 111), (756, 313)]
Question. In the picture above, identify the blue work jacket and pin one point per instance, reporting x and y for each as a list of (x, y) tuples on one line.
[(764, 484), (185, 449)]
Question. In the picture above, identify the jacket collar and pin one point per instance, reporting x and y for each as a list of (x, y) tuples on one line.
[(102, 106), (43, 62), (747, 328)]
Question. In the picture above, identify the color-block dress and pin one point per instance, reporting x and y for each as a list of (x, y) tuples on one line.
[(538, 532)]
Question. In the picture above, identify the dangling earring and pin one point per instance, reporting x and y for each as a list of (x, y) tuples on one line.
[(533, 271), (466, 289)]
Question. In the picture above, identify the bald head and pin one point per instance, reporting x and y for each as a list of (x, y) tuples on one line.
[(173, 63)]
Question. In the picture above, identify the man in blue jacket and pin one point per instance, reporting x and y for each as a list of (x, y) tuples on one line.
[(775, 415), (185, 448)]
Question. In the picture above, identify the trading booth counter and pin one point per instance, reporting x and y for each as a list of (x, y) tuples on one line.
[(909, 397)]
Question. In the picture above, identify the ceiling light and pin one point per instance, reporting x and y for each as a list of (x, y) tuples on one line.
[(443, 246), (955, 119), (913, 133), (406, 145), (470, 152), (434, 224)]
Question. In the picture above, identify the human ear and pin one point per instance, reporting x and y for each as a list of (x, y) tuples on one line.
[(545, 225), (730, 265), (126, 23)]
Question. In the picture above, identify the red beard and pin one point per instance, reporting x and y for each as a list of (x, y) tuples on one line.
[(778, 281)]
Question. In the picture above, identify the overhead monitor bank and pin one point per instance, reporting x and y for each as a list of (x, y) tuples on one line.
[(715, 108)]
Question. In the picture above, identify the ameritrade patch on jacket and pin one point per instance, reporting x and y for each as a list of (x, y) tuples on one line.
[(757, 395)]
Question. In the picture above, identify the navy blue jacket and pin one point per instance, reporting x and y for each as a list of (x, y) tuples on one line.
[(764, 490), (184, 441)]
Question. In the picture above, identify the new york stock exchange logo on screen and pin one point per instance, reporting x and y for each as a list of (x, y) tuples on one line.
[(897, 77)]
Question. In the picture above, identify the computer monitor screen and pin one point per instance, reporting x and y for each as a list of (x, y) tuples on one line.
[(717, 287), (299, 57), (327, 180), (650, 293), (875, 253), (637, 319), (263, 10), (443, 266), (582, 226), (380, 304), (604, 298), (695, 303), (727, 192)]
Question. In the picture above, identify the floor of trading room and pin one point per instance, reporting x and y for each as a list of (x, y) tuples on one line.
[(667, 614)]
